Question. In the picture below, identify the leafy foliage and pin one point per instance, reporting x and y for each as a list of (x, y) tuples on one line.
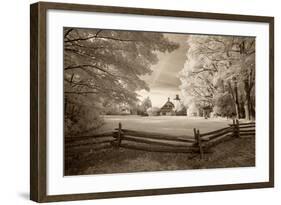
[(144, 106), (224, 105), (220, 66), (153, 111), (102, 68)]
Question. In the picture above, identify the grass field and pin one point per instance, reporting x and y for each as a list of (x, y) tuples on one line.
[(235, 153), (174, 125)]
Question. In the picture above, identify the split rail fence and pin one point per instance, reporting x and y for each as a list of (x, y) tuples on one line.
[(157, 142)]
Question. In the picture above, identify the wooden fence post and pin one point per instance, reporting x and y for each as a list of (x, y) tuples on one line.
[(237, 128), (200, 145), (119, 137), (198, 142), (195, 134)]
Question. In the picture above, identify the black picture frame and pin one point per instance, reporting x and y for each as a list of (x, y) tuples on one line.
[(38, 102)]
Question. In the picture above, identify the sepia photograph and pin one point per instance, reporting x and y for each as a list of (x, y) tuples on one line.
[(138, 101)]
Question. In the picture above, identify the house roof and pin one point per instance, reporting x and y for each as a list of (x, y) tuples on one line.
[(168, 105)]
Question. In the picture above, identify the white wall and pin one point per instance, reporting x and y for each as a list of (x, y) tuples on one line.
[(14, 108)]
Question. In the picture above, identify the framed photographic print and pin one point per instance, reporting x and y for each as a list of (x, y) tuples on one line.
[(134, 102)]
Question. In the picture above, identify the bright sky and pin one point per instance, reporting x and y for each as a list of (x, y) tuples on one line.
[(163, 82)]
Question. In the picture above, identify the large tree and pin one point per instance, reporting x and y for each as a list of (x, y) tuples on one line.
[(104, 67), (218, 66)]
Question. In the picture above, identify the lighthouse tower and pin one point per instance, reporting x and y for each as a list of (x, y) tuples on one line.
[(178, 104), (179, 107)]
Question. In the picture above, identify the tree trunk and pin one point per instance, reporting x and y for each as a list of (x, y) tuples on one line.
[(234, 94), (247, 105), (237, 109), (248, 84), (247, 110), (253, 111)]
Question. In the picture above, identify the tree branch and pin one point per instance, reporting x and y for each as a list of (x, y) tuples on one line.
[(80, 93), (100, 37), (66, 34), (204, 70), (86, 66)]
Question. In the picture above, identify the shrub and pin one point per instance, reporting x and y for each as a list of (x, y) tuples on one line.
[(83, 120), (224, 105), (153, 111)]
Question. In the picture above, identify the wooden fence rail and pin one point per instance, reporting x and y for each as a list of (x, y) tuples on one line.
[(161, 136), (158, 142)]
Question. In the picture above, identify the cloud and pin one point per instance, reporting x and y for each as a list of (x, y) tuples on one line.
[(159, 97), (164, 81)]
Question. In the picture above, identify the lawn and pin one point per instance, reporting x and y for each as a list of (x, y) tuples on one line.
[(174, 125)]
